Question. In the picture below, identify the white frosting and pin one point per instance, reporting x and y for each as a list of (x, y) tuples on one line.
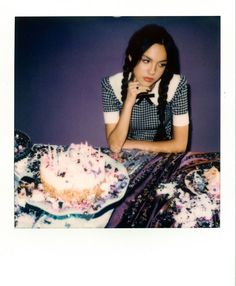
[(191, 209), (167, 189), (25, 220), (80, 167), (37, 196), (20, 167)]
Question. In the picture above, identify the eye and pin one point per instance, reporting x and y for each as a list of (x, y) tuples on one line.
[(162, 65), (146, 61)]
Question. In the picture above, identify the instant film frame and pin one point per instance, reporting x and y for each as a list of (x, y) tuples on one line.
[(118, 249)]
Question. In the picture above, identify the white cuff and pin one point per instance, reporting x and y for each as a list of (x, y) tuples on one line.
[(181, 120), (111, 117)]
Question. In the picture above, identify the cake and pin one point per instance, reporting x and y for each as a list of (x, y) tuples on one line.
[(78, 174)]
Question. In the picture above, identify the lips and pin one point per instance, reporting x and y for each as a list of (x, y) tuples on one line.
[(148, 79)]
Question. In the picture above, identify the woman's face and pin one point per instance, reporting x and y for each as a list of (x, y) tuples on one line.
[(151, 66)]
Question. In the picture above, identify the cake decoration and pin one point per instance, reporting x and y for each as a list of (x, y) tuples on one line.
[(76, 180)]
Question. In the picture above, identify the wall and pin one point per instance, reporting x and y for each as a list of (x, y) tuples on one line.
[(60, 61)]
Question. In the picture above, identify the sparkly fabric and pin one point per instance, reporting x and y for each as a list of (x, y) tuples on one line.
[(165, 191)]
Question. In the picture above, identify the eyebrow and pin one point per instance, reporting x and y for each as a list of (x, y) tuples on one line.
[(151, 59)]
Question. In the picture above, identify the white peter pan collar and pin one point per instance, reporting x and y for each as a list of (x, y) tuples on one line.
[(116, 79)]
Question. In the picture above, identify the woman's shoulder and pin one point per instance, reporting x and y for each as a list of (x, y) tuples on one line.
[(178, 79), (114, 82), (113, 79), (177, 82)]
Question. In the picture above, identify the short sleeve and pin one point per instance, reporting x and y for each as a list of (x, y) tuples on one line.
[(111, 105), (180, 104)]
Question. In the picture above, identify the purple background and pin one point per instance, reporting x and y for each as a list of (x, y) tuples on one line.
[(60, 61)]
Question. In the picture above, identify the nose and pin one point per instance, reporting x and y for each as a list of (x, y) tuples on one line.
[(152, 69)]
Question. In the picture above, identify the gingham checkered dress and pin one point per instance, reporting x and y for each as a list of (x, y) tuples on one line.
[(144, 118)]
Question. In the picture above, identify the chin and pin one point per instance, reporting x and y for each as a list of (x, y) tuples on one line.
[(149, 85), (146, 84)]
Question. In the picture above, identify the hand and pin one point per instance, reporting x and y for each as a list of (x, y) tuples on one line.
[(134, 88)]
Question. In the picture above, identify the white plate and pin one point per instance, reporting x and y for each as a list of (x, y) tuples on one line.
[(97, 209), (195, 182), (72, 222)]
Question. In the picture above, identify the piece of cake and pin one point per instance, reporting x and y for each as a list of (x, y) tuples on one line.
[(77, 174)]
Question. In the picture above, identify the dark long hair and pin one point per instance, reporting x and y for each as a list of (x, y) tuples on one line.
[(140, 42)]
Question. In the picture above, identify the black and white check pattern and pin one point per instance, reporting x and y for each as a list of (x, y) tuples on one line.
[(180, 100), (109, 99), (145, 119)]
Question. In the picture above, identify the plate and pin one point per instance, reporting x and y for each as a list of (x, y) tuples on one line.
[(34, 196), (72, 222), (196, 182), (22, 145)]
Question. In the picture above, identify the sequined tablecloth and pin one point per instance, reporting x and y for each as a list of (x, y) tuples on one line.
[(165, 191)]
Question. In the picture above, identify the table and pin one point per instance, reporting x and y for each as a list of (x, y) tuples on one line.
[(164, 191)]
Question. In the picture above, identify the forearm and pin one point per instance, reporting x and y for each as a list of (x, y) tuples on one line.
[(168, 146), (177, 144), (117, 137)]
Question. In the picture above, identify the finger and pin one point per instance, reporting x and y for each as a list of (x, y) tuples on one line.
[(131, 84), (134, 85), (135, 88), (144, 89)]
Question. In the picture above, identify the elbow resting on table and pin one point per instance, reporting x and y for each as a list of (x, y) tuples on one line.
[(170, 148), (180, 150), (115, 147), (180, 147)]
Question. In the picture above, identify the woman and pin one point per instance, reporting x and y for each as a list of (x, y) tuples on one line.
[(146, 106)]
